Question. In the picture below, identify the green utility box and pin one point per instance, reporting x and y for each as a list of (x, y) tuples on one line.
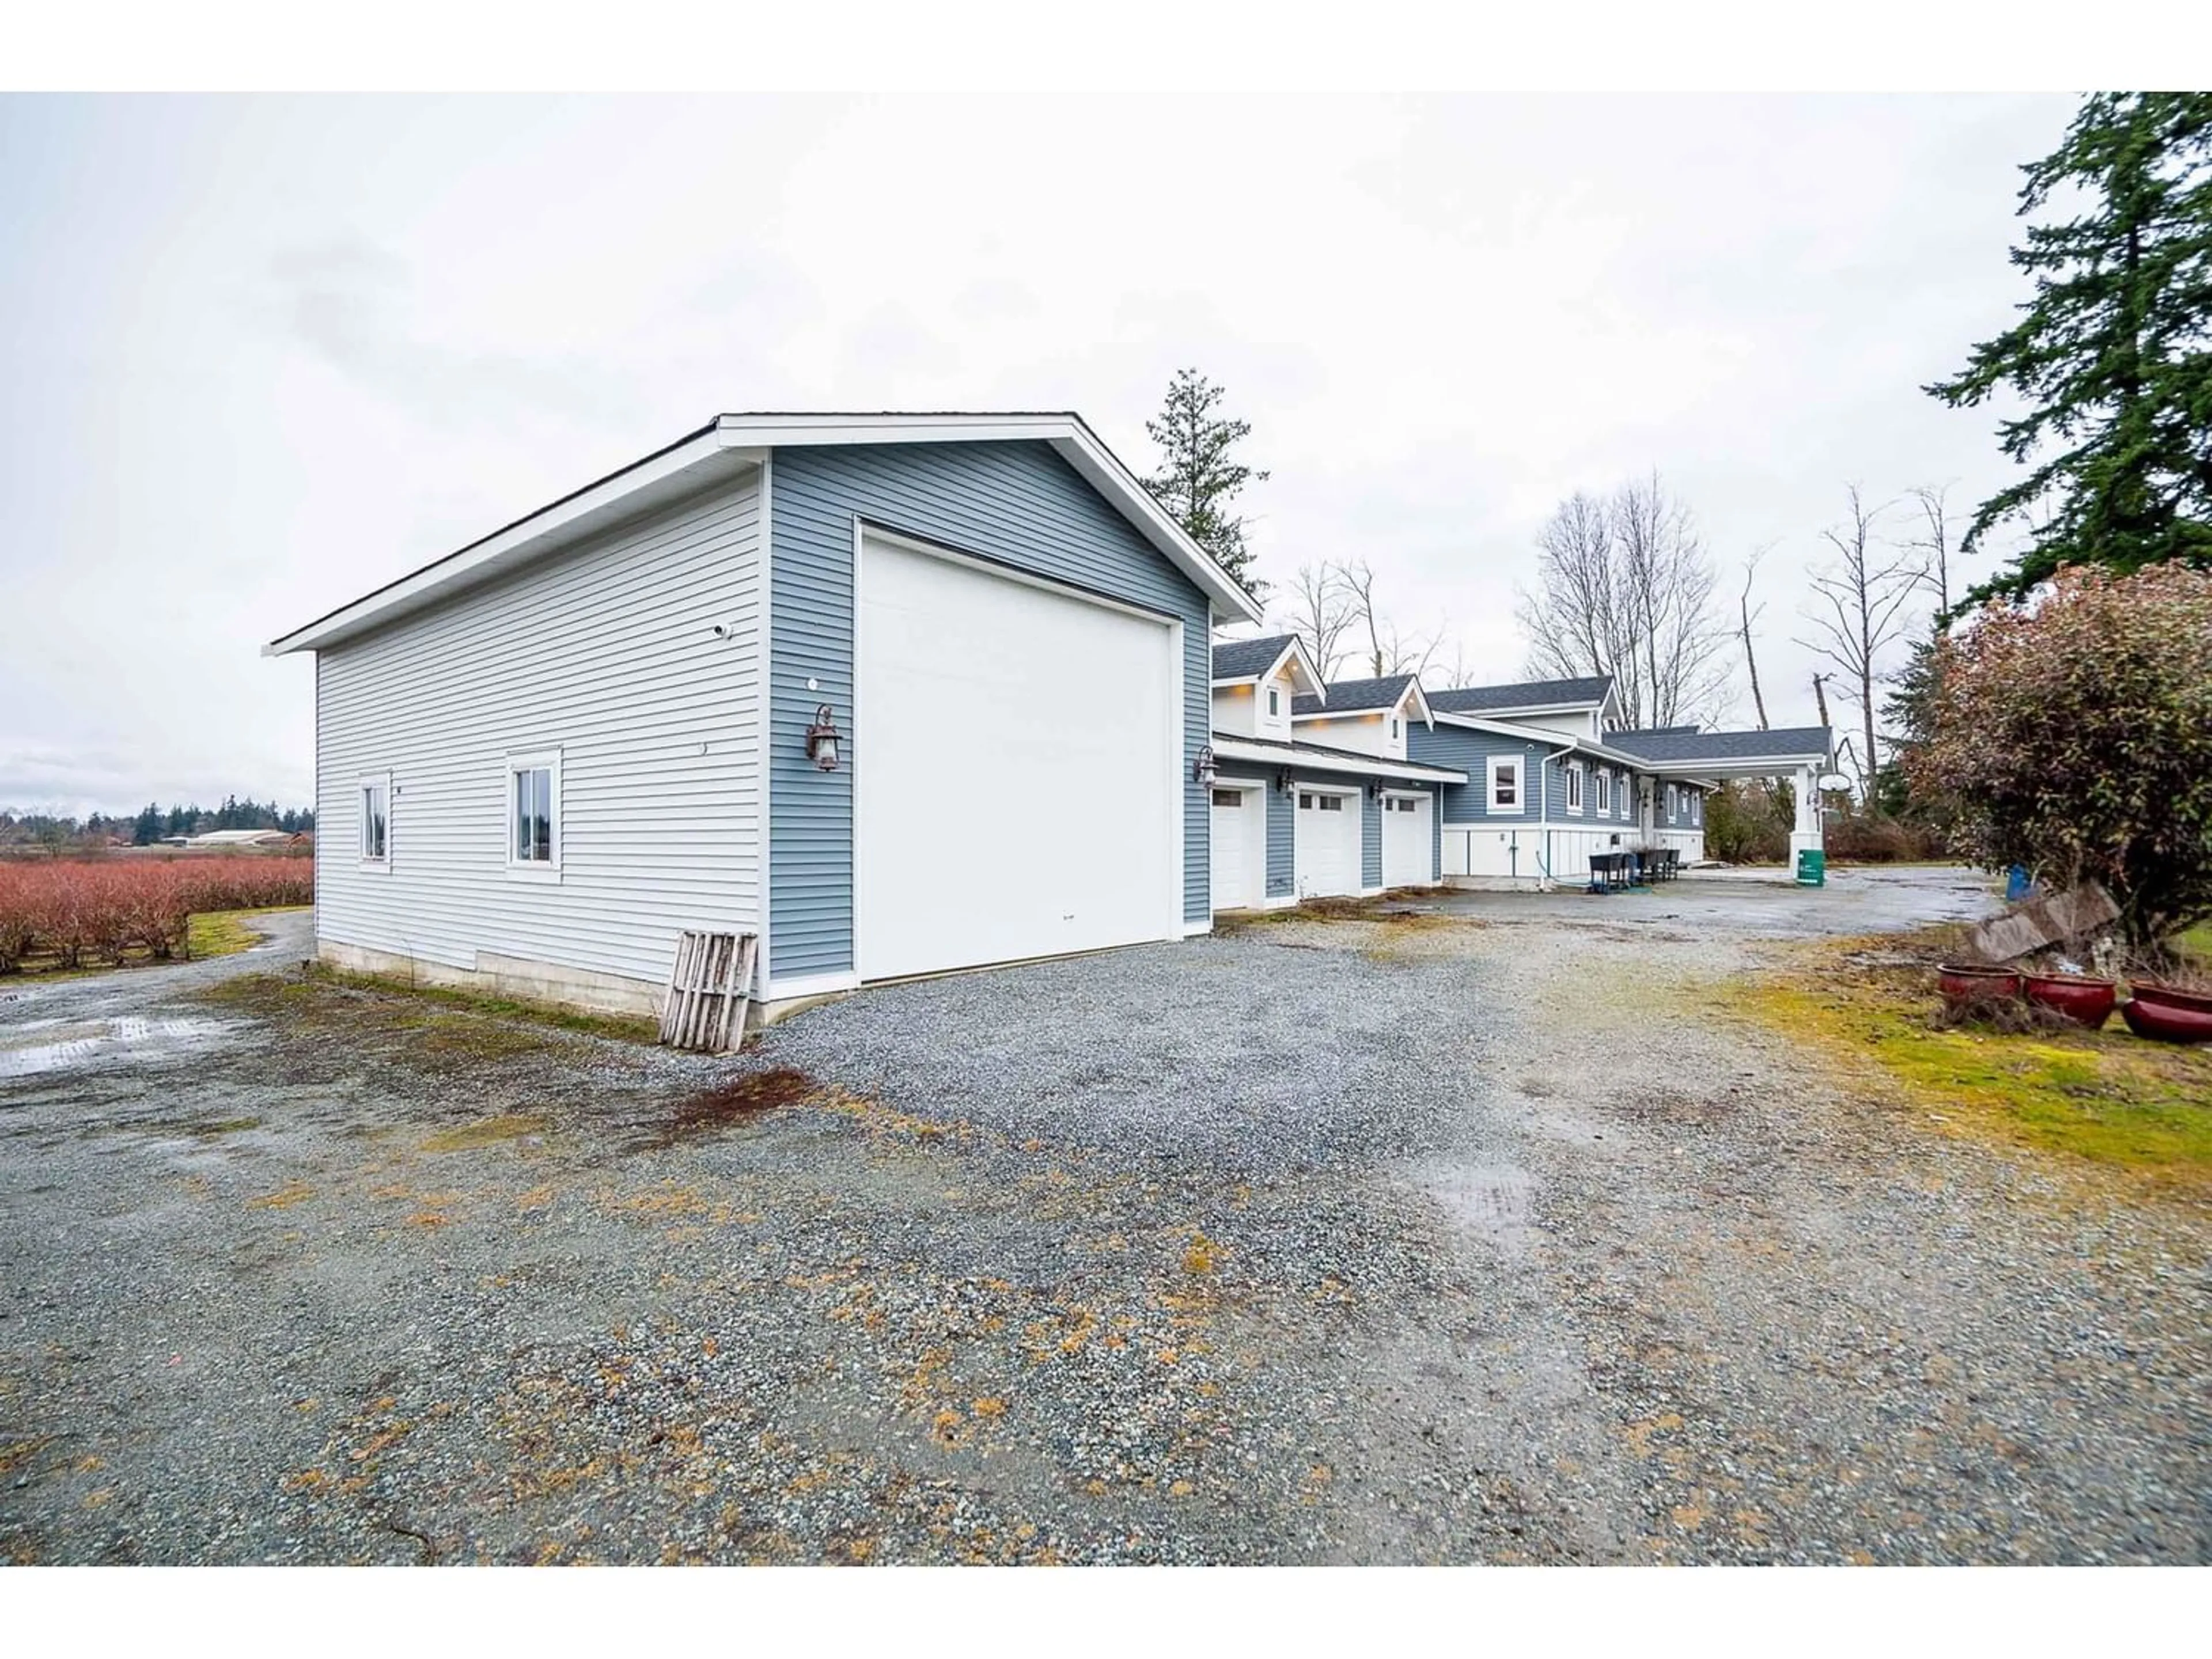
[(1812, 868)]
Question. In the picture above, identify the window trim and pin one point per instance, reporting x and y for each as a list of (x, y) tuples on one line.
[(1274, 703), (1673, 801), (1574, 787), (369, 780), (531, 760), (1519, 806), (1602, 782)]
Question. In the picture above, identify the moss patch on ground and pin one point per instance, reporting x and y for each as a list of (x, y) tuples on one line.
[(437, 1024), (2107, 1097)]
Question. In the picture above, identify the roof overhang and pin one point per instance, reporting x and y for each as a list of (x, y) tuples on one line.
[(1413, 692), (1320, 759), (1697, 766), (725, 447), (1555, 741), (1301, 667)]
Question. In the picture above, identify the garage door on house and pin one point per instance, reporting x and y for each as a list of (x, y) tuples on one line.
[(1016, 768), (1239, 840), (1328, 847), (1408, 841)]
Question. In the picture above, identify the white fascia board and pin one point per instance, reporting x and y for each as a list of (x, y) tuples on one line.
[(1301, 668), (675, 471), (1076, 444), (1421, 702), (1521, 711), (1226, 748), (1556, 742), (1730, 766)]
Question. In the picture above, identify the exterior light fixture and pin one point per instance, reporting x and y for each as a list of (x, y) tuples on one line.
[(1202, 767), (822, 739), (1283, 781)]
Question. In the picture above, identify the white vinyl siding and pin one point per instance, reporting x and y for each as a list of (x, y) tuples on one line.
[(376, 820), (607, 653)]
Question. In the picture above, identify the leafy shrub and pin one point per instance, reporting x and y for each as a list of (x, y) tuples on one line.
[(95, 911), (2072, 732)]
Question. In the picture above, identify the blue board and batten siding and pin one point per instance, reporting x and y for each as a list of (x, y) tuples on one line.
[(1015, 504)]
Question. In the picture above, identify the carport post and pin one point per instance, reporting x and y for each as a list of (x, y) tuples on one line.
[(1806, 836)]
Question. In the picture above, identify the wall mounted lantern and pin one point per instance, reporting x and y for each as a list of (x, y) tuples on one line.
[(1283, 781), (1375, 789), (822, 739), (1202, 767)]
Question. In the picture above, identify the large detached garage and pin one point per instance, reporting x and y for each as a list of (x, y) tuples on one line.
[(1059, 828), (896, 695)]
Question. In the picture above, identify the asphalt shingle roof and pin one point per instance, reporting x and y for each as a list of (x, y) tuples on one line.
[(1239, 659), (1528, 693), (1352, 696), (1674, 744)]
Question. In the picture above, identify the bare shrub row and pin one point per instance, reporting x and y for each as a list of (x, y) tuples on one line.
[(95, 912)]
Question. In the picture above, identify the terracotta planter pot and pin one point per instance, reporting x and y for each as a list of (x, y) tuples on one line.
[(2085, 1000), (1962, 985), (2167, 1013)]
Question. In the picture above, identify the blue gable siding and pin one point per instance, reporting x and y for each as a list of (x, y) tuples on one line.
[(1370, 839), (1018, 504), (1467, 751)]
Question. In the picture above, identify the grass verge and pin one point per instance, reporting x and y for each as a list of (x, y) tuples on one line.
[(440, 1018), (2107, 1097)]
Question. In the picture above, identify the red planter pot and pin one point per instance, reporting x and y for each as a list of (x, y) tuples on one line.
[(1963, 985), (2168, 1013), (2084, 1000)]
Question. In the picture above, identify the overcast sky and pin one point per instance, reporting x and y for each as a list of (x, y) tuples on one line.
[(259, 356)]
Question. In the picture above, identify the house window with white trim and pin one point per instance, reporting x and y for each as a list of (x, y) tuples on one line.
[(1505, 783), (1393, 728), (1604, 785), (376, 819), (1673, 803), (1697, 808), (1275, 701), (1574, 786), (533, 814)]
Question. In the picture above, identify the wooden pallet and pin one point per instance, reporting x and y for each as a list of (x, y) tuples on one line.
[(709, 985)]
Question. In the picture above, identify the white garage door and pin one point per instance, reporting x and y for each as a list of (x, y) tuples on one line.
[(1328, 860), (1408, 843), (1239, 838), (1016, 768)]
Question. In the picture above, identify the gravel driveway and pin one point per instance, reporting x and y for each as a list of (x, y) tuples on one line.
[(1482, 1235)]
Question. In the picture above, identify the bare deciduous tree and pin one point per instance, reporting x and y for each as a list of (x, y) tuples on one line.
[(1746, 614), (1856, 610), (1934, 545), (1625, 589), (1390, 649), (1320, 612)]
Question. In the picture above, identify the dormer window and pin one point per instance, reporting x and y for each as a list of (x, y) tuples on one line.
[(1274, 703), (1393, 728)]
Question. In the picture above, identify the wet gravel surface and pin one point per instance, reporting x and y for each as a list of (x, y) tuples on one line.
[(1457, 1239)]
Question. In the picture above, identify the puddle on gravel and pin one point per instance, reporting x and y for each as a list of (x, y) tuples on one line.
[(39, 1047), (1492, 1204)]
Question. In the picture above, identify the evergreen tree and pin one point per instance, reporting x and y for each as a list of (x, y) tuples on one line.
[(148, 828), (1199, 476), (2112, 356)]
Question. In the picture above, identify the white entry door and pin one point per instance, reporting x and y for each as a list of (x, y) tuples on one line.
[(1017, 767), (1239, 837), (1408, 845), (1327, 851)]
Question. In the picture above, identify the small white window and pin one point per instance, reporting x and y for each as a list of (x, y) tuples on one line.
[(1329, 803), (1604, 781), (533, 815), (1393, 728), (1574, 786), (1697, 806), (376, 818), (1504, 783), (1229, 798), (1674, 802), (1274, 703)]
